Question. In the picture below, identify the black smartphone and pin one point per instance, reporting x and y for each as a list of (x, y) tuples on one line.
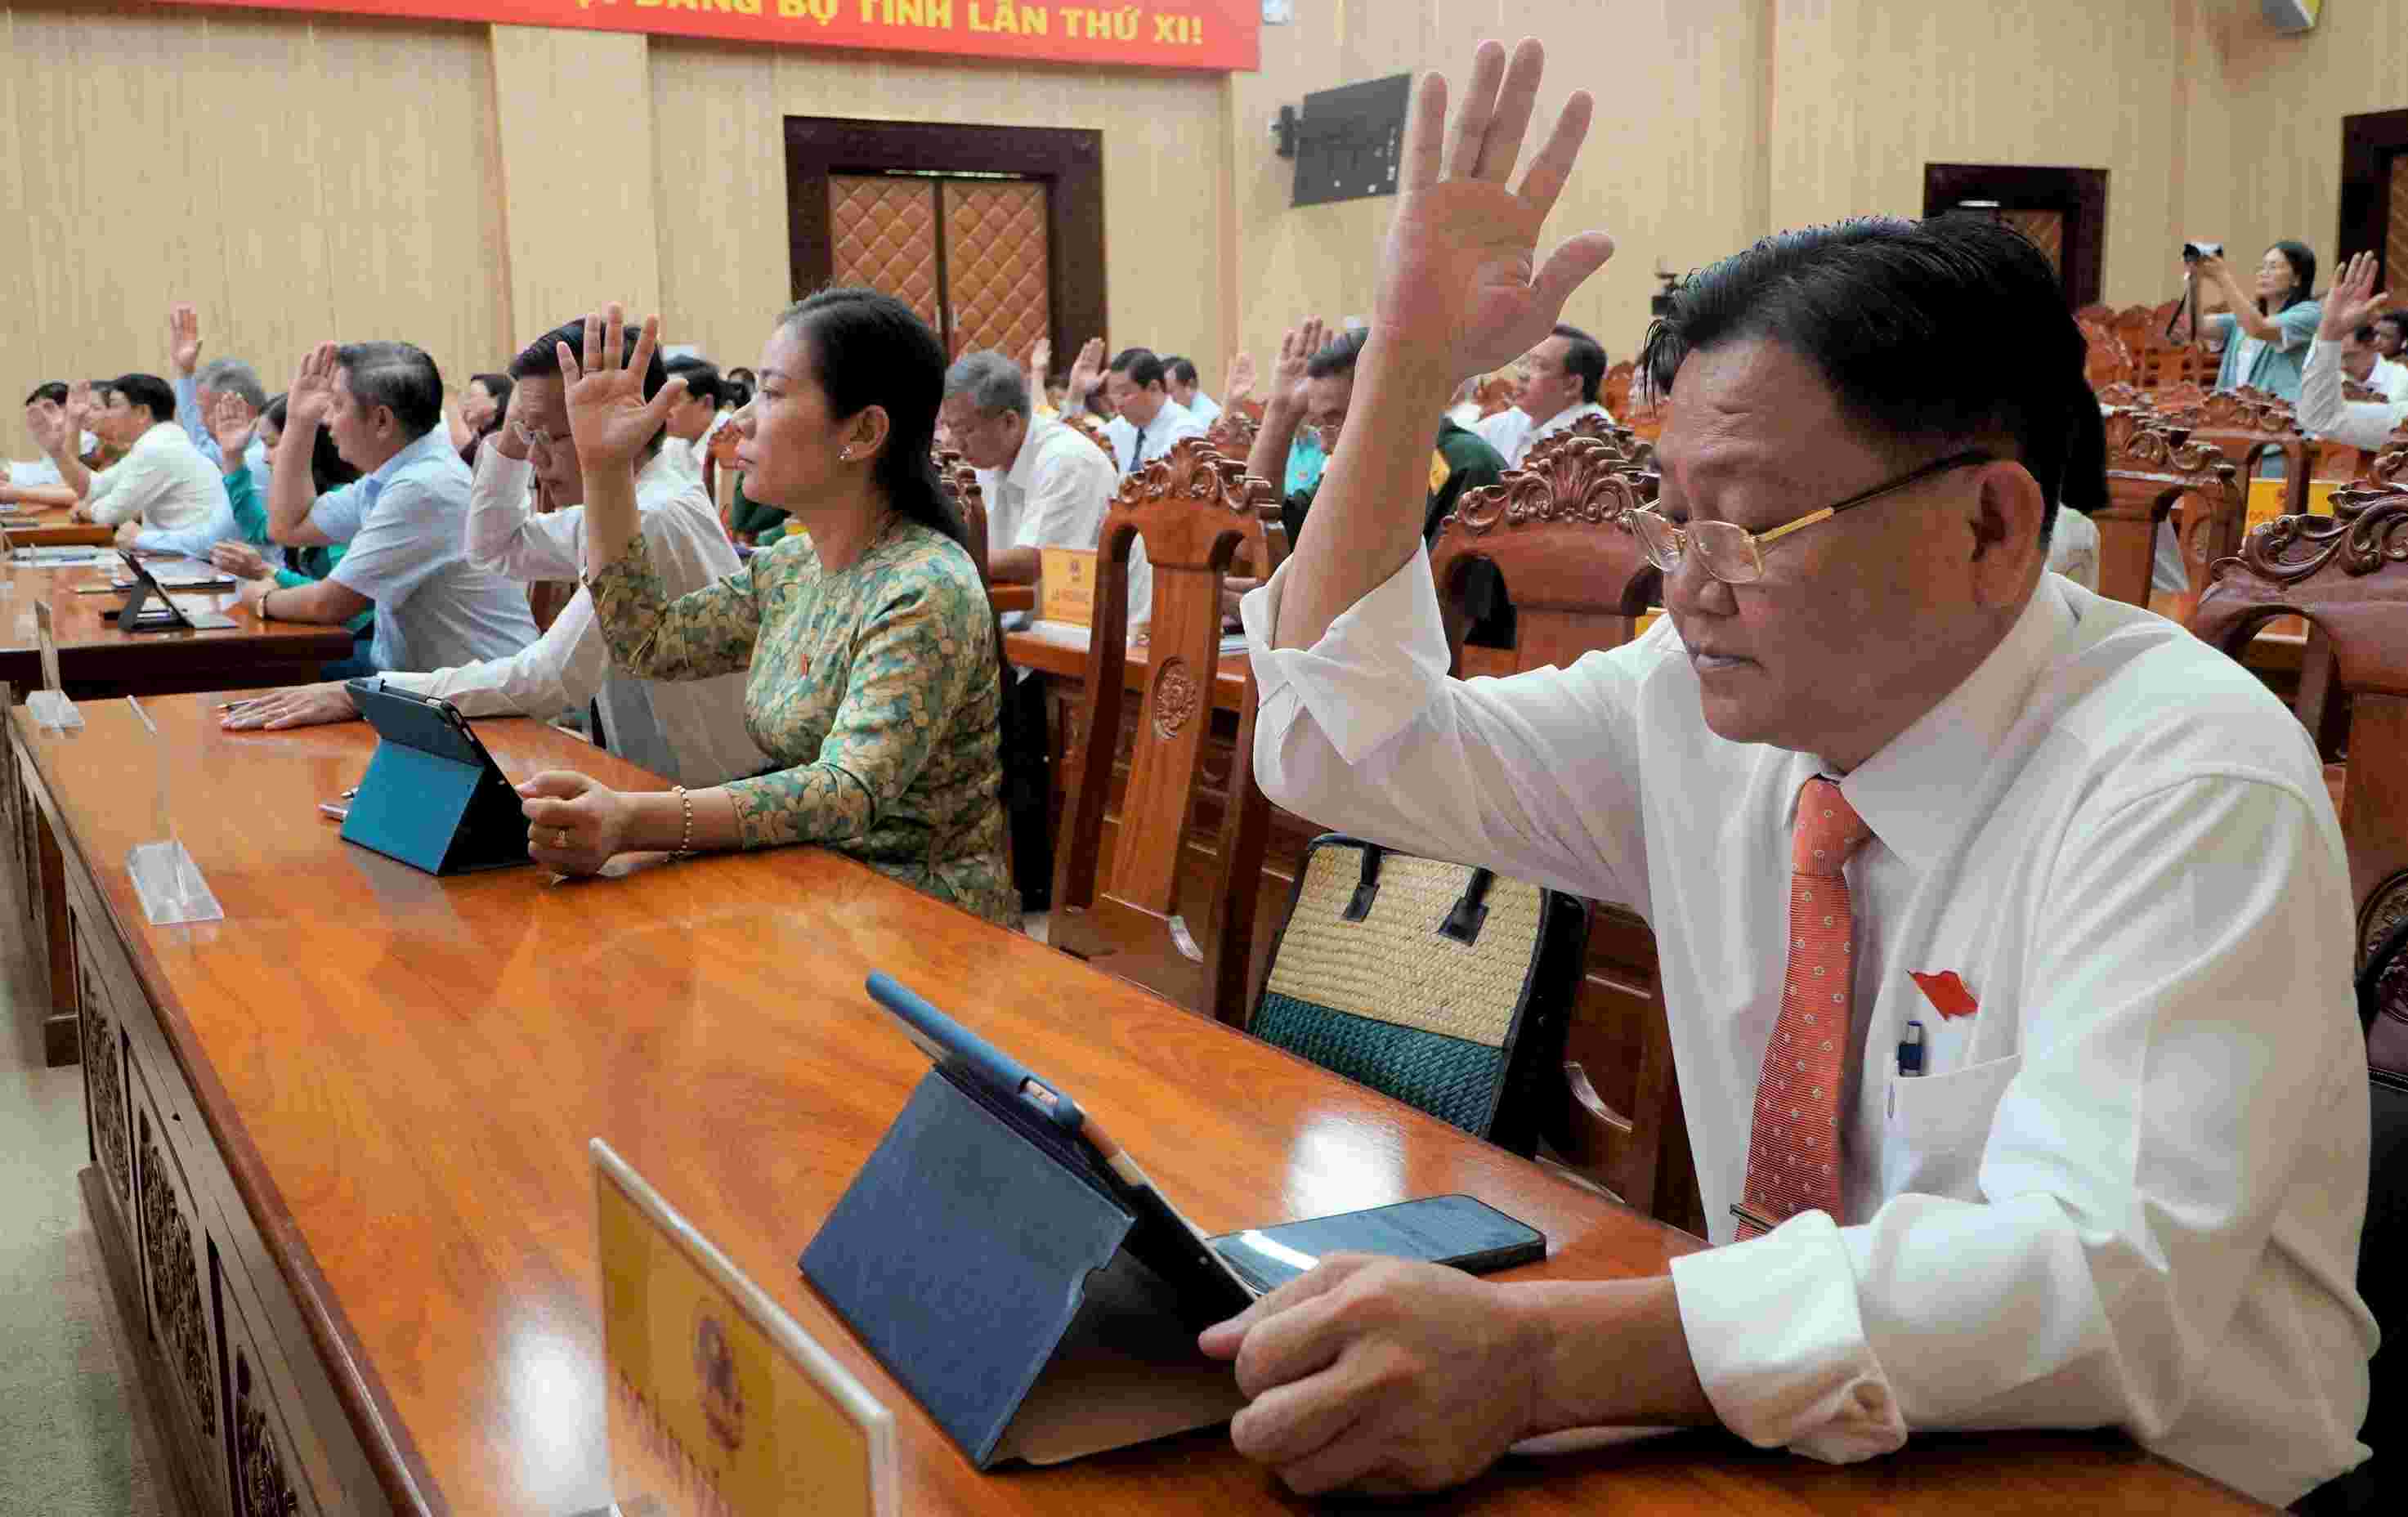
[(1457, 1230)]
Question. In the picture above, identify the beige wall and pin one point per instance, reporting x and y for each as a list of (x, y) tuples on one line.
[(301, 177)]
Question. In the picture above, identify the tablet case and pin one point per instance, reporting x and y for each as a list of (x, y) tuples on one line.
[(433, 797), (994, 1280)]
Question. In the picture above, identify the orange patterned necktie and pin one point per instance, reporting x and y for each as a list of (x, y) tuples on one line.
[(1793, 1146)]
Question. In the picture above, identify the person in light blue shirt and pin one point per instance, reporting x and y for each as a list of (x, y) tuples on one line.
[(2265, 337), (404, 520), (198, 386)]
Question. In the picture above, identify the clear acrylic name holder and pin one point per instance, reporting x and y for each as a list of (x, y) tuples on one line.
[(164, 876), (50, 704)]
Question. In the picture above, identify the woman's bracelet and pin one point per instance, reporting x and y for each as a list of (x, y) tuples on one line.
[(686, 839)]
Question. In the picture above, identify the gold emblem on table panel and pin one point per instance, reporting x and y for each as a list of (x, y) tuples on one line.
[(722, 1398)]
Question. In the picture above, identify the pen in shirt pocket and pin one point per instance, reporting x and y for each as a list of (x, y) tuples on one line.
[(1909, 1051)]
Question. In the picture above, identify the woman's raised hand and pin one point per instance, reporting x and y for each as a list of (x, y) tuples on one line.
[(1456, 284), (232, 421), (608, 414), (1296, 347)]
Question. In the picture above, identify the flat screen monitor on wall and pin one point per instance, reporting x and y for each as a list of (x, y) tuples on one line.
[(1350, 141)]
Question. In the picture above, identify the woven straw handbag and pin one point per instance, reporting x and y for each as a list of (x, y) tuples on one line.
[(1437, 984)]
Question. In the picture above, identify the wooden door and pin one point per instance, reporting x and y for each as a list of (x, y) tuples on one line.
[(884, 233), (2063, 210), (997, 277)]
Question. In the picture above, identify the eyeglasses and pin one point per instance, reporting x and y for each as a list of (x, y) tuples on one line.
[(1735, 555), (536, 437)]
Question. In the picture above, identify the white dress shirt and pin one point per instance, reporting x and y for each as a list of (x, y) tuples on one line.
[(2359, 423), (692, 731), (2073, 547), (2129, 1189), (1513, 433), (2391, 377), (34, 472), (1132, 451), (1055, 495), (1203, 407), (162, 480), (683, 456)]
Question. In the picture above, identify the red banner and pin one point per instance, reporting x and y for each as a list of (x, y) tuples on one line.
[(1215, 34)]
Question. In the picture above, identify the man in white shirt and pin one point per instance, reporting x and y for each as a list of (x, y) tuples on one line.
[(1558, 386), (2322, 412), (1146, 422), (1876, 776), (693, 731), (40, 473), (1044, 485), (693, 418), (382, 402), (161, 486), (1187, 389)]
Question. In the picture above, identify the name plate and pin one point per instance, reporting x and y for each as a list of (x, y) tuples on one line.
[(2266, 496), (720, 1403), (1067, 585)]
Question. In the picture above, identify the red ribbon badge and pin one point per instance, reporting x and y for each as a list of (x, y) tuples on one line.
[(1946, 993)]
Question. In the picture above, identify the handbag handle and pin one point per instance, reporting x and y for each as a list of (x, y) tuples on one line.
[(1470, 911), (1367, 888)]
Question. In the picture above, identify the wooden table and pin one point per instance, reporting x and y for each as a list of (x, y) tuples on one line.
[(95, 660), (51, 528), (341, 1135)]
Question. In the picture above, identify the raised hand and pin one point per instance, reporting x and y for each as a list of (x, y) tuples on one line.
[(1087, 372), (1241, 378), (1296, 348), (1456, 282), (607, 415), (82, 405), (184, 337), (232, 423), (49, 426), (311, 398), (510, 438), (1041, 357), (2353, 301)]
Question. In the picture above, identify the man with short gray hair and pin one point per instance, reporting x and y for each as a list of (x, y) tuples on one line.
[(1045, 485), (198, 386)]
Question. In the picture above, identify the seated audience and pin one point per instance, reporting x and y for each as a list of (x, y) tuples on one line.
[(163, 493), (36, 482), (253, 554), (2323, 412), (1044, 485), (2390, 335), (403, 520), (694, 417), (1146, 421), (1557, 386), (198, 387), (691, 730), (482, 405), (2264, 338), (1184, 390), (2088, 859), (876, 675), (2363, 363)]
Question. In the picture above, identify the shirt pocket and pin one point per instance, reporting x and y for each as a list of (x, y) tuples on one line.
[(1939, 1126)]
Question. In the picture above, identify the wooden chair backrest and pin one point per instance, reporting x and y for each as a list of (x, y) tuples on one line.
[(1494, 394), (1614, 393), (2158, 368), (969, 503), (2347, 574), (2150, 470), (1195, 510), (1092, 430), (1579, 578), (2247, 424), (2109, 360)]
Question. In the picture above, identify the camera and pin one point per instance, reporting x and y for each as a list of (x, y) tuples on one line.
[(2194, 251)]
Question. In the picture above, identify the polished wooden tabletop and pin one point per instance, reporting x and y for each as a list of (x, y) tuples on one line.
[(1061, 651), (52, 528), (403, 1073), (94, 653)]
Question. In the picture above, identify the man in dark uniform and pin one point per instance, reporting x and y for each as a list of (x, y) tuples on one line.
[(1313, 385)]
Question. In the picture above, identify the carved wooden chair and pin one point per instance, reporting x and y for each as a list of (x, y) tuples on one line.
[(1092, 430), (1614, 393), (1193, 511), (1579, 580), (1494, 393), (2248, 425), (969, 502), (2108, 361), (2118, 396), (1232, 434), (2150, 471), (2348, 574)]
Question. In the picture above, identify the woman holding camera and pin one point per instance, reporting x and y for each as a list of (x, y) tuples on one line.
[(2265, 337)]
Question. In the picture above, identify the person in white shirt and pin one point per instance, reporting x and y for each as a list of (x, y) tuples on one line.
[(402, 518), (34, 481), (1558, 386), (1045, 486), (2322, 412), (691, 731), (1186, 389), (163, 493), (1146, 422), (1875, 774), (693, 418)]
